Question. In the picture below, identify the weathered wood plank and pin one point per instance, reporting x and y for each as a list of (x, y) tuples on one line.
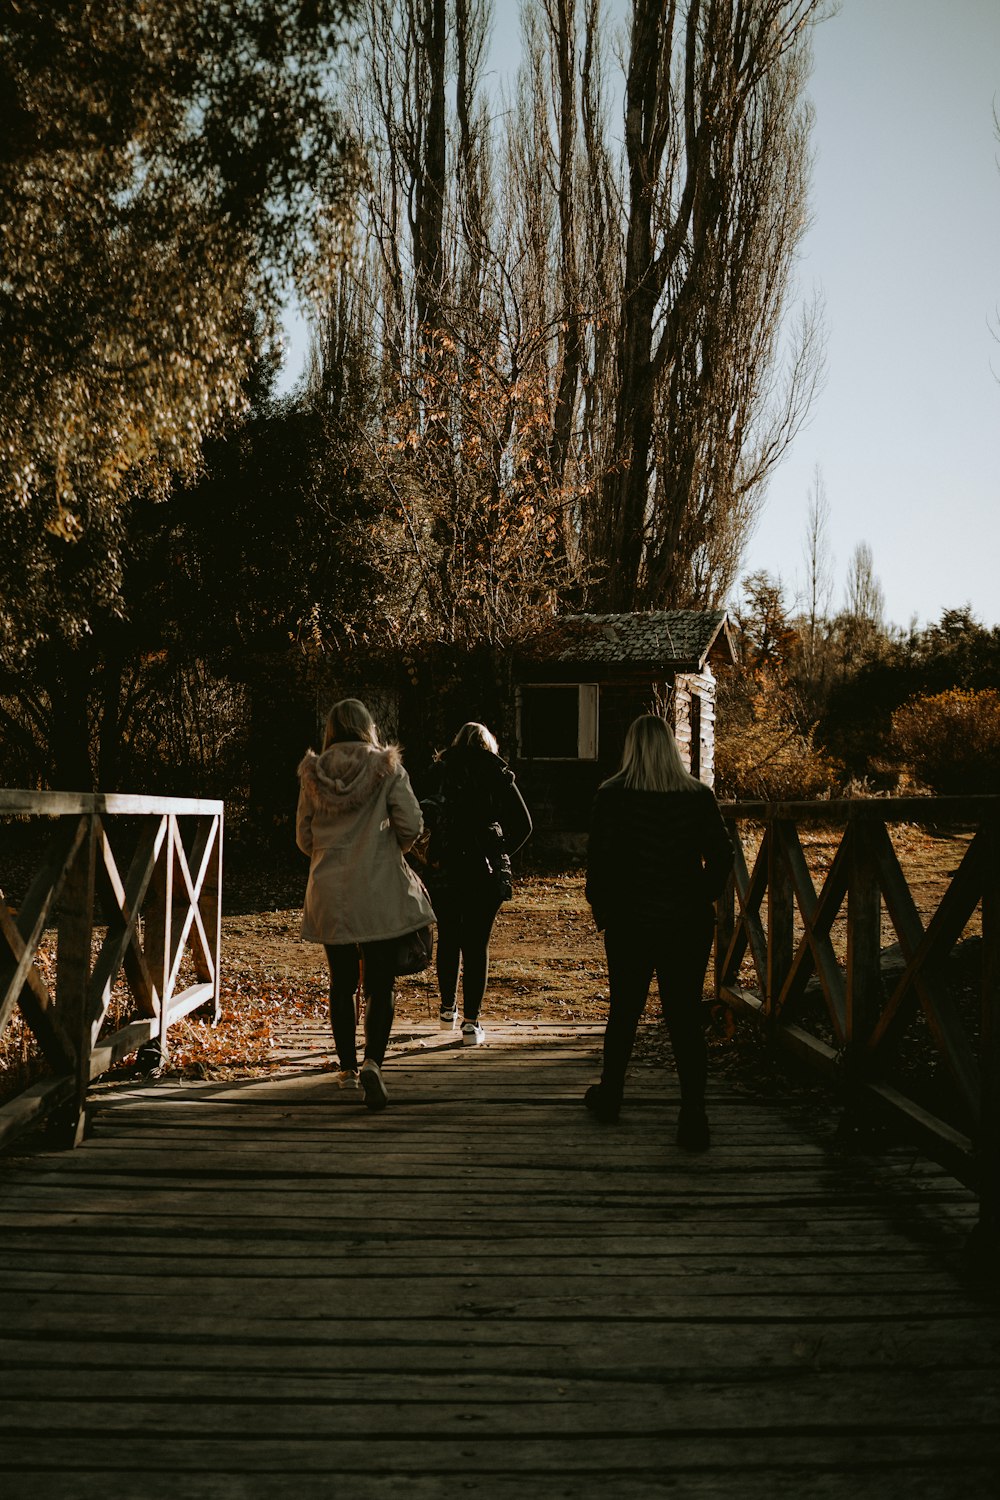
[(815, 950), (193, 875), (723, 1302), (926, 1478), (486, 1290), (23, 973), (118, 1044), (750, 888), (533, 1408), (32, 1104), (864, 940), (941, 1014), (936, 811), (486, 1446), (539, 1346), (988, 1233), (662, 1291), (75, 927), (121, 945), (59, 804), (39, 1008), (780, 912), (902, 1266)]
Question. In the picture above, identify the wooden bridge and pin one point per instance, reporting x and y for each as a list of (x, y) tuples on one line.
[(264, 1290)]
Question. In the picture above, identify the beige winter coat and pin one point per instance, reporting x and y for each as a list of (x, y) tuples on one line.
[(357, 816)]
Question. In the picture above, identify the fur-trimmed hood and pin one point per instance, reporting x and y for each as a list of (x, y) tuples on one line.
[(348, 775)]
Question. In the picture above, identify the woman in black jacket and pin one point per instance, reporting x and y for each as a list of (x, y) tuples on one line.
[(477, 819), (658, 857)]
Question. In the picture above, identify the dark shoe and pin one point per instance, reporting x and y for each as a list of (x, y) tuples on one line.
[(600, 1105), (372, 1086), (692, 1128)]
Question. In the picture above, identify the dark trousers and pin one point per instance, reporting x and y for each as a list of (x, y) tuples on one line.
[(346, 961), (464, 924), (678, 956)]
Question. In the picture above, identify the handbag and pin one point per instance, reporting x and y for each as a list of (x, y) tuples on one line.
[(498, 862), (413, 951)]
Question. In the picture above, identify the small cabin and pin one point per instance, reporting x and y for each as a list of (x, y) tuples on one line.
[(579, 684)]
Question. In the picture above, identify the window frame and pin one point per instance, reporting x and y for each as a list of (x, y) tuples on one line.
[(587, 721), (694, 723)]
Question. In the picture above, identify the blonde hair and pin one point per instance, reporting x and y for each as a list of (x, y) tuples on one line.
[(478, 735), (651, 760), (350, 720)]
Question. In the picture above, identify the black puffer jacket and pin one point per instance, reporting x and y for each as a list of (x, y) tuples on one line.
[(655, 857), (473, 792)]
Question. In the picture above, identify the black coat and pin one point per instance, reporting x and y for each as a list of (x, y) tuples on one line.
[(474, 810), (655, 858)]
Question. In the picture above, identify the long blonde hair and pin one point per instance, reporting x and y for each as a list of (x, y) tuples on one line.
[(651, 760), (350, 720), (475, 734)]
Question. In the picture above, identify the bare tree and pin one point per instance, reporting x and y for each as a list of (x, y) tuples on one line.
[(716, 137), (865, 597), (451, 283), (819, 568), (562, 239), (861, 625), (579, 390), (561, 15)]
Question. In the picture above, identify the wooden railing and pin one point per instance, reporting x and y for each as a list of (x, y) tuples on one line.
[(103, 925), (774, 922)]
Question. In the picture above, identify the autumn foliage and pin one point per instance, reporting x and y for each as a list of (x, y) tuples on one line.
[(950, 741), (763, 751)]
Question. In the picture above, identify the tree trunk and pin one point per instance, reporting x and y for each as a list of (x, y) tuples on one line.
[(69, 693), (429, 181)]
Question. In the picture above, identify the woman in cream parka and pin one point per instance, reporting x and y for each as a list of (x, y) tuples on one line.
[(357, 816)]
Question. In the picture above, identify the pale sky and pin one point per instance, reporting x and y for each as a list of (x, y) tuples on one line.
[(905, 249)]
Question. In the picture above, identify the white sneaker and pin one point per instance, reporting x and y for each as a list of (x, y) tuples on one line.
[(473, 1034), (448, 1017), (372, 1086), (346, 1078)]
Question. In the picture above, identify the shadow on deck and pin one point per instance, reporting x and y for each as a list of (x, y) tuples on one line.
[(263, 1290)]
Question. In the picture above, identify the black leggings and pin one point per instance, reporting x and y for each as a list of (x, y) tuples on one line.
[(345, 960), (464, 925), (678, 957)]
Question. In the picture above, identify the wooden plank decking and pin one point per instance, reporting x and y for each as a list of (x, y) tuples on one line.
[(262, 1290)]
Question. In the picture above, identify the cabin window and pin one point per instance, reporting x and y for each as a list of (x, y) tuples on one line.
[(558, 721), (696, 736)]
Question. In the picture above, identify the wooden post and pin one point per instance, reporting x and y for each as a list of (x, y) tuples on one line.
[(725, 926), (864, 945), (158, 944), (780, 918), (985, 1243), (66, 1015), (74, 930), (863, 987), (210, 905)]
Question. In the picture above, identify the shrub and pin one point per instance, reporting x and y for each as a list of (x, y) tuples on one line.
[(762, 751), (951, 741)]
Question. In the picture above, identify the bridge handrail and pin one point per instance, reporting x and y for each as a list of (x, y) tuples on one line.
[(58, 804), (166, 905), (774, 916)]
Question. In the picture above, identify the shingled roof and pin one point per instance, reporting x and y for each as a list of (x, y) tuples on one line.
[(662, 637)]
